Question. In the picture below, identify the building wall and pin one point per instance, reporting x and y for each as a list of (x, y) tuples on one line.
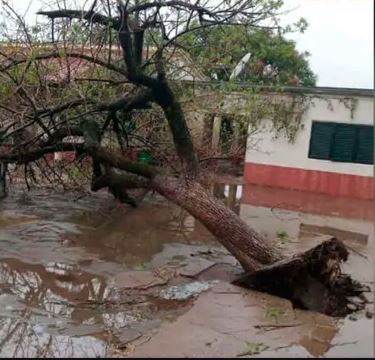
[(279, 163)]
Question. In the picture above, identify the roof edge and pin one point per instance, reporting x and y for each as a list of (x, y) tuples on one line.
[(323, 90)]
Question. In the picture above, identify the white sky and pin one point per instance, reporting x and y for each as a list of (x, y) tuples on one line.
[(340, 38)]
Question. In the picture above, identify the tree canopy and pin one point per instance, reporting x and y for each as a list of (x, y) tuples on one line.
[(219, 49)]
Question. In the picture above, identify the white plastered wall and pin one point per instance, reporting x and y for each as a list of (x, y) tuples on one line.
[(280, 152)]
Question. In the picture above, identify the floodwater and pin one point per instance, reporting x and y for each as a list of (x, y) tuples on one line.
[(82, 276)]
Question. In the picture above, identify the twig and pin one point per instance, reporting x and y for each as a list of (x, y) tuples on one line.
[(125, 343), (271, 327), (344, 343)]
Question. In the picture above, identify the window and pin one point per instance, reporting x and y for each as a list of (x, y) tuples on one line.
[(341, 142), (321, 139), (365, 152)]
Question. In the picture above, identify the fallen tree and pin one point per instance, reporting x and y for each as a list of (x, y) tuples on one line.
[(147, 84)]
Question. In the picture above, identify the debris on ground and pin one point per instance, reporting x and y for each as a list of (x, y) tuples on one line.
[(195, 267), (185, 291), (253, 348), (137, 280)]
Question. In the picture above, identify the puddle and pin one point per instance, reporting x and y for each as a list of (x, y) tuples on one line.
[(65, 265), (80, 276)]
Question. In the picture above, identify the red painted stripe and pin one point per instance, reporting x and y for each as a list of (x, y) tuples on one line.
[(308, 202), (353, 186)]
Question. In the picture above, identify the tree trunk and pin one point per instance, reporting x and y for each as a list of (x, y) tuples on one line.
[(311, 280), (300, 278), (251, 249)]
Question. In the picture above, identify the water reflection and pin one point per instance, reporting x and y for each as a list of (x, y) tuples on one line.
[(298, 217), (134, 238), (307, 202), (57, 261), (37, 310), (58, 254)]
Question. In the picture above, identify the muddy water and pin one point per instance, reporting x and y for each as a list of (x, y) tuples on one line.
[(61, 258), (81, 276)]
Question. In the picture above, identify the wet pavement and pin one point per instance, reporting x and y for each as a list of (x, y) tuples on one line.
[(81, 276)]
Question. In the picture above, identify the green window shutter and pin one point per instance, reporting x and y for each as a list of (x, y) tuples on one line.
[(321, 140), (365, 146), (344, 142)]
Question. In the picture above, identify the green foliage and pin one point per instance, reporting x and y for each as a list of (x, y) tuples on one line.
[(350, 103), (250, 106), (5, 86), (275, 313), (253, 348), (75, 172), (287, 116), (140, 267), (282, 236), (152, 37), (219, 49)]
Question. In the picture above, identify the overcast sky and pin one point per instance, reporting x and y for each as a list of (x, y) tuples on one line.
[(340, 38)]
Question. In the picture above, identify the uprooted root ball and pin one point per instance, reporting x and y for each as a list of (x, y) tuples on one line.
[(312, 280)]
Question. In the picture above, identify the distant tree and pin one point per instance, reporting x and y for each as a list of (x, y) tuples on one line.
[(274, 59)]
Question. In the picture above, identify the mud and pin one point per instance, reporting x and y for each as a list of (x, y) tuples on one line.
[(225, 320), (83, 276)]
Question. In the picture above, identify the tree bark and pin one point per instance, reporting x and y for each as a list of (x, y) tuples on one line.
[(172, 109), (250, 248), (311, 279)]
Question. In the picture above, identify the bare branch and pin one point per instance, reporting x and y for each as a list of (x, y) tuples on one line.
[(90, 16), (56, 54), (26, 156)]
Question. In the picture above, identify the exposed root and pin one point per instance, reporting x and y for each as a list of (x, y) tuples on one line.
[(311, 280)]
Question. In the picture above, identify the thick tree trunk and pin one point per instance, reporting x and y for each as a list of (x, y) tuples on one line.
[(305, 276), (251, 249), (311, 280)]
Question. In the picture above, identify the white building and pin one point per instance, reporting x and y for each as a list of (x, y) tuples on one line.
[(332, 152)]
